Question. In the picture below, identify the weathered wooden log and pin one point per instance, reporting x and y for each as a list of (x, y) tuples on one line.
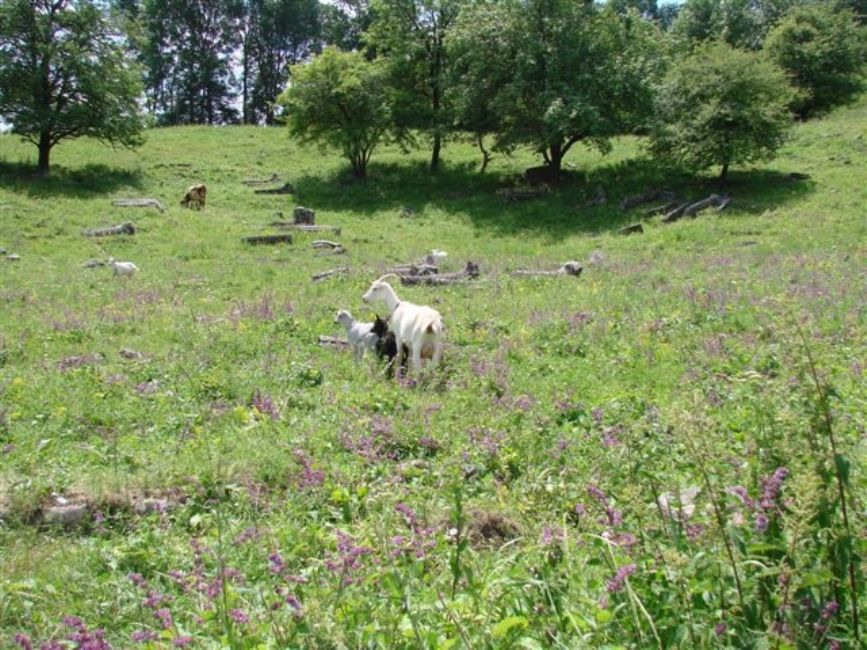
[(302, 215), (632, 201), (698, 206), (333, 342), (255, 240), (340, 270), (286, 188), (567, 268), (634, 229), (126, 228), (93, 263), (413, 269), (675, 213), (325, 243), (273, 178), (471, 272), (794, 177), (724, 203), (662, 209), (305, 228), (139, 203), (515, 194)]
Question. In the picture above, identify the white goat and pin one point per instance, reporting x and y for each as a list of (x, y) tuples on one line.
[(122, 268), (360, 335), (419, 327)]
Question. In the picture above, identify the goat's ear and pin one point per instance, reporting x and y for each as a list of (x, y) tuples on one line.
[(387, 275)]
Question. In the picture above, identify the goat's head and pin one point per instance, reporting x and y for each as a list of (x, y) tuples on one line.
[(380, 326), (379, 290), (343, 317), (111, 260), (471, 270), (438, 256)]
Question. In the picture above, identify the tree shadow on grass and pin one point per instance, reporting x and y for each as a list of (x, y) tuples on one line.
[(82, 182), (575, 206)]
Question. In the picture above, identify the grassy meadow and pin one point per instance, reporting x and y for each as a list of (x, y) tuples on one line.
[(649, 456)]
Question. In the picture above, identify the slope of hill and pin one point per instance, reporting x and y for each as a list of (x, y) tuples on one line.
[(650, 455)]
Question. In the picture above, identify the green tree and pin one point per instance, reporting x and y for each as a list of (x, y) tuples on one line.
[(562, 72), (339, 100), (411, 35), (824, 53), (721, 106), (740, 23), (64, 74)]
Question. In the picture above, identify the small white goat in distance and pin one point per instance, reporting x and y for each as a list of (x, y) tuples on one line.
[(125, 269), (419, 327), (434, 258), (360, 335)]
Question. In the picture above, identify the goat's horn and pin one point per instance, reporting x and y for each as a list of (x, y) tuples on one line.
[(388, 275)]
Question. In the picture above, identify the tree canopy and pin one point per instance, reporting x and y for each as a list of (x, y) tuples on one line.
[(65, 74), (721, 106), (339, 100)]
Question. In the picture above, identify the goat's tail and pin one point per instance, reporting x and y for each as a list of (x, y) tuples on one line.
[(435, 327)]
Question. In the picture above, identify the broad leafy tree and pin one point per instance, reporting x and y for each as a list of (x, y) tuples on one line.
[(339, 100), (562, 72), (824, 53), (740, 23), (721, 106), (411, 35), (64, 73)]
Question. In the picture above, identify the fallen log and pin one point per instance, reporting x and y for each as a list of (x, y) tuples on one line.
[(470, 272), (139, 203), (326, 243), (286, 188), (652, 195), (675, 213), (256, 240), (306, 228), (261, 181), (698, 206), (333, 342), (126, 228), (634, 229), (662, 209), (515, 194), (340, 270), (413, 269), (93, 263), (567, 268)]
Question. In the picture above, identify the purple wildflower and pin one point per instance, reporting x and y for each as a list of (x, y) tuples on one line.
[(619, 580), (293, 602), (348, 559), (164, 616), (597, 494), (265, 405), (552, 535), (239, 617), (277, 565), (741, 493), (247, 535), (153, 600), (144, 636), (761, 522), (720, 629), (182, 641), (74, 622), (580, 509), (23, 641), (829, 610), (694, 531)]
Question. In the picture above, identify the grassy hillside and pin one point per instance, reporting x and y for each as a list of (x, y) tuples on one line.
[(272, 493)]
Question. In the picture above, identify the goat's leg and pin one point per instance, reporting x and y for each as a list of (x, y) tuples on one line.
[(416, 359), (437, 354), (398, 360)]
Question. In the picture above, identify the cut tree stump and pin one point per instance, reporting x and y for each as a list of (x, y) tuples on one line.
[(286, 188), (305, 228), (256, 240), (567, 268), (340, 270), (303, 216), (652, 195), (333, 342), (634, 229), (139, 203), (261, 181), (126, 228)]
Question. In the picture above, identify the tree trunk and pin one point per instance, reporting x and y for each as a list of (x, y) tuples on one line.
[(555, 159), (486, 155), (435, 154), (43, 167), (724, 172)]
